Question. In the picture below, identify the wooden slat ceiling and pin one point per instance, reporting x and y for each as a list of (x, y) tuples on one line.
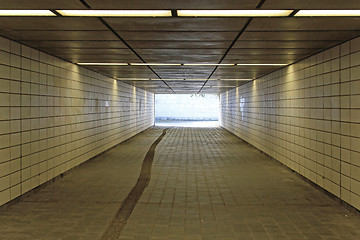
[(181, 40)]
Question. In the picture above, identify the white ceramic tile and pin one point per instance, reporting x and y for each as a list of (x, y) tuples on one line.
[(4, 44), (327, 117), (355, 73), (4, 196), (345, 48), (15, 192), (355, 45), (43, 96)]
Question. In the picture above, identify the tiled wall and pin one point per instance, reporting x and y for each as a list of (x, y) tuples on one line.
[(55, 115), (306, 116)]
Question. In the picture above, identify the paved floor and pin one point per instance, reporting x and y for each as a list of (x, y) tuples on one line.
[(205, 184)]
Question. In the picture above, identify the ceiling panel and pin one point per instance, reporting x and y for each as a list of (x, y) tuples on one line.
[(183, 68), (258, 60), (69, 44), (158, 87), (225, 83), (147, 83), (41, 4), (300, 35), (304, 24), (311, 4), (50, 23), (121, 74), (235, 58), (177, 35), (152, 86), (183, 58), (246, 68), (177, 24), (239, 74), (235, 75), (215, 90), (254, 51), (59, 35), (124, 58), (283, 44), (251, 71), (125, 69), (173, 4), (180, 75), (178, 44), (197, 84), (179, 52), (89, 51)]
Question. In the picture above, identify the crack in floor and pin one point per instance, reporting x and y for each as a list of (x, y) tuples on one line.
[(128, 205)]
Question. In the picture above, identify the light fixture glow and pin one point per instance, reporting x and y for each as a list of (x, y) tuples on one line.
[(155, 64), (183, 64), (327, 13), (164, 79), (234, 13), (133, 79), (183, 86), (195, 79), (115, 13), (25, 13), (219, 86), (103, 64), (209, 64), (185, 79), (261, 64), (231, 79)]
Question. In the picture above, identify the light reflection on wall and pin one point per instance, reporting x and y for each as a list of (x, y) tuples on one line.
[(242, 106)]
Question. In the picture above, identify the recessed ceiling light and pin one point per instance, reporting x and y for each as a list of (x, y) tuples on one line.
[(261, 64), (183, 64), (134, 79), (184, 79), (115, 13), (327, 13), (234, 13), (209, 64), (26, 13), (103, 64), (155, 64), (231, 79), (196, 79), (219, 86), (182, 86), (164, 79)]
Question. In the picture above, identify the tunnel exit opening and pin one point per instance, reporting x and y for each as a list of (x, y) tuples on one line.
[(187, 110)]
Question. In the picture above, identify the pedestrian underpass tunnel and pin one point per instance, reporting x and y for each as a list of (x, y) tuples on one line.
[(88, 88)]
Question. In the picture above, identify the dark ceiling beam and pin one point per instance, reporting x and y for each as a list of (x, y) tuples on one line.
[(126, 44), (258, 6)]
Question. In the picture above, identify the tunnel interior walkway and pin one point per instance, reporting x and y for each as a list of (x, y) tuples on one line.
[(205, 183)]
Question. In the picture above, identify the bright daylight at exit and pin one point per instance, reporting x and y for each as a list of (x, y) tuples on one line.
[(187, 110)]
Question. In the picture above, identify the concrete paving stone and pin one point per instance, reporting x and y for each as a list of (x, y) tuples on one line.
[(205, 184)]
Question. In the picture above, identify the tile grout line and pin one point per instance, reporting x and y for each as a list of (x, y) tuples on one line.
[(21, 117)]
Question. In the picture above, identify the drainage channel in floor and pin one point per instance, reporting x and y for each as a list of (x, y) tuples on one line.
[(128, 205)]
